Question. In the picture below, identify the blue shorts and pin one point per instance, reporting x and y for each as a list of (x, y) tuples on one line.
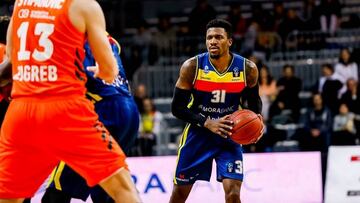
[(121, 118), (198, 148)]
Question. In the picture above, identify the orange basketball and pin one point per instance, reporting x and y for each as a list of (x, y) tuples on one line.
[(247, 126)]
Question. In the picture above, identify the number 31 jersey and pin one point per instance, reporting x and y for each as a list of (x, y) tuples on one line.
[(47, 50), (217, 94)]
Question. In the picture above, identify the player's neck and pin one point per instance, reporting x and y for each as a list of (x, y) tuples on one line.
[(222, 63)]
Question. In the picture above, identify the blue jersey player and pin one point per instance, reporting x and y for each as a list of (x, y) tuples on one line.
[(117, 111), (211, 86)]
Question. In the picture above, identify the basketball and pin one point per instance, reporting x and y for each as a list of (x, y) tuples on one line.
[(247, 127)]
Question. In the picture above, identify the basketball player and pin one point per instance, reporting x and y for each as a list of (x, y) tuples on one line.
[(209, 88), (117, 111), (49, 119)]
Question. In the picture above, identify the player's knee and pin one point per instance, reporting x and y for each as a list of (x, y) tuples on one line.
[(179, 194)]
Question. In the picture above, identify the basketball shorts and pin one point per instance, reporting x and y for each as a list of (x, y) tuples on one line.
[(198, 148), (120, 116), (38, 133)]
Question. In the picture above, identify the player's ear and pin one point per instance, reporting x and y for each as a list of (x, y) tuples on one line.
[(230, 41)]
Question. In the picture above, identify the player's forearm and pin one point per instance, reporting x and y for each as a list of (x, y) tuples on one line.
[(108, 73), (252, 99), (179, 108)]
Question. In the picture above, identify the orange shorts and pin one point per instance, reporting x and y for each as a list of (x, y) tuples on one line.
[(37, 134)]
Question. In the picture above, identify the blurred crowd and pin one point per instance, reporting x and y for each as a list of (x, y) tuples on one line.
[(259, 30), (330, 115)]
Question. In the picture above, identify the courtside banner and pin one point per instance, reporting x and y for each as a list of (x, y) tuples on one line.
[(269, 178), (343, 175)]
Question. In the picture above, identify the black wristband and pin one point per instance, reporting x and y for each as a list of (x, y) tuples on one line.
[(251, 99), (180, 110)]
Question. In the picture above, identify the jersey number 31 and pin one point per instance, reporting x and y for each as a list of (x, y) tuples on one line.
[(218, 96)]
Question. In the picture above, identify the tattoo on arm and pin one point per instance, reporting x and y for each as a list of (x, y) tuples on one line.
[(187, 74), (251, 72)]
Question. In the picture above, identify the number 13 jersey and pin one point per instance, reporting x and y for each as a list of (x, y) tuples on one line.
[(47, 50), (217, 94)]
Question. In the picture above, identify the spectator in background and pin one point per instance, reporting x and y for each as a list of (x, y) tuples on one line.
[(139, 95), (344, 128), (237, 21), (150, 127), (200, 16), (279, 14), (346, 68), (267, 90), (352, 99), (327, 71), (352, 96), (310, 15), (352, 22), (142, 39), (141, 49), (250, 37), (315, 136), (165, 37), (330, 13), (290, 23), (262, 16), (329, 86), (183, 38), (289, 87), (234, 16), (278, 116), (267, 42)]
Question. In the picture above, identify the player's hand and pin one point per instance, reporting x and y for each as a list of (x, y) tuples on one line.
[(262, 129), (97, 73), (94, 69), (221, 126)]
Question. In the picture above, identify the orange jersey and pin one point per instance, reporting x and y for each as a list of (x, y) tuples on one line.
[(47, 50)]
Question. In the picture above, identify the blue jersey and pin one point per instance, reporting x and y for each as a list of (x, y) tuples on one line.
[(97, 86), (214, 95), (217, 94)]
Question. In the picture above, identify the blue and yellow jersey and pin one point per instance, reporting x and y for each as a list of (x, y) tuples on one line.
[(217, 94), (96, 87)]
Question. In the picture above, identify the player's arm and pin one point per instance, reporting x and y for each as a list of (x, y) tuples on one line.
[(250, 95), (182, 94), (252, 73), (95, 28)]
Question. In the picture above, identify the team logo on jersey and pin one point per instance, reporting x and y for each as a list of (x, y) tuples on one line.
[(230, 167), (236, 72), (206, 69)]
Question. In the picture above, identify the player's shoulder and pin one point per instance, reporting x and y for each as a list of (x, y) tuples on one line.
[(86, 6), (250, 64), (189, 64)]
